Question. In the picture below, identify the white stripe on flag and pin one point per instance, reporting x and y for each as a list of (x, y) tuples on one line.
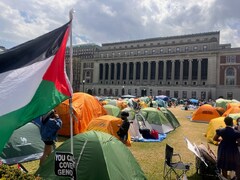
[(20, 85)]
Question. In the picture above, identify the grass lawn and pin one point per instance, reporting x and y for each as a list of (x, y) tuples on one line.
[(150, 155)]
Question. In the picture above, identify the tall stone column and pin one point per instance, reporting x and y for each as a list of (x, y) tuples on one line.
[(190, 72), (199, 71), (134, 72), (121, 72), (104, 67), (141, 73), (164, 71), (156, 72), (173, 70), (109, 72), (127, 69), (115, 72), (181, 71), (149, 72)]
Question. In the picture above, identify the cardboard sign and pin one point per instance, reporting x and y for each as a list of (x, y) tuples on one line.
[(64, 164)]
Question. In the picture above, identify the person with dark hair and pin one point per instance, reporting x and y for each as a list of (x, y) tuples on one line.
[(50, 124), (228, 156), (123, 130)]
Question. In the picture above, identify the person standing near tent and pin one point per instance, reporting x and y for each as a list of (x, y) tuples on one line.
[(228, 156), (50, 124), (237, 127), (123, 130)]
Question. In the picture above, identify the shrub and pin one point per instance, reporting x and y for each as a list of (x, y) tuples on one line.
[(12, 173)]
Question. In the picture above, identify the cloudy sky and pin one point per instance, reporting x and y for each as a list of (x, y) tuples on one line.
[(105, 21)]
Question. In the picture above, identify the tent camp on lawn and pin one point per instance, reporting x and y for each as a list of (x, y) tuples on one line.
[(97, 155)]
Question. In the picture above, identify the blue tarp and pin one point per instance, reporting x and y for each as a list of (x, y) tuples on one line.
[(161, 137)]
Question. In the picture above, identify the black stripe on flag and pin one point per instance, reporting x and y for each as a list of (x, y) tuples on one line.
[(32, 51)]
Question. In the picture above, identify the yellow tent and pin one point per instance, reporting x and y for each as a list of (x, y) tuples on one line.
[(85, 107), (213, 125), (108, 124)]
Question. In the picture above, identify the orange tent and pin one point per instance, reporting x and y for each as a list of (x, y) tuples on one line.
[(205, 113), (85, 107), (229, 105), (108, 124), (220, 110), (231, 110)]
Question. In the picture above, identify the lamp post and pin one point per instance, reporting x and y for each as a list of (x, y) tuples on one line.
[(83, 82)]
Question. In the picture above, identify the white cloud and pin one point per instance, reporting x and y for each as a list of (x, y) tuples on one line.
[(108, 10), (101, 21)]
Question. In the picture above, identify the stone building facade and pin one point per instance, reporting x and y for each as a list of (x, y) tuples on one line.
[(187, 66)]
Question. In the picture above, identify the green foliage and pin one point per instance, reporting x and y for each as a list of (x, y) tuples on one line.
[(12, 173)]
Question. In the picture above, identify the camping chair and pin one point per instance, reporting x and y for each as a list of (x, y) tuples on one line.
[(178, 168)]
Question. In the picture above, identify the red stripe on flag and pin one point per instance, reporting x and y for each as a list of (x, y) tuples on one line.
[(56, 72)]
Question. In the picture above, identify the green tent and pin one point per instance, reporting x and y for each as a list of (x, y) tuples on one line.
[(24, 145), (98, 155), (157, 120), (171, 117), (220, 102), (112, 110)]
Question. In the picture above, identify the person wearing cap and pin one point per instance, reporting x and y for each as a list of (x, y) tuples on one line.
[(123, 130)]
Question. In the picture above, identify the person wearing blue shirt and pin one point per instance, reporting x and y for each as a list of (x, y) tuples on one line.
[(50, 124)]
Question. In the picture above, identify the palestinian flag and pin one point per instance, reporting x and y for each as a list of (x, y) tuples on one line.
[(32, 80)]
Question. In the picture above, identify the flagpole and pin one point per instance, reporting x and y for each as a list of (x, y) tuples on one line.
[(71, 81)]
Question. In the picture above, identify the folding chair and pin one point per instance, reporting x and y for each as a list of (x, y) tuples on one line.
[(178, 168)]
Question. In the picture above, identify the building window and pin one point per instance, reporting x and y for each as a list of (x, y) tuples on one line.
[(195, 48), (229, 95), (131, 53), (153, 51), (101, 55), (231, 59), (184, 94), (175, 94), (119, 54), (161, 51), (116, 92), (177, 49), (146, 52), (125, 53), (194, 94), (230, 76), (169, 50), (186, 48), (113, 54), (139, 52), (204, 47), (167, 93)]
